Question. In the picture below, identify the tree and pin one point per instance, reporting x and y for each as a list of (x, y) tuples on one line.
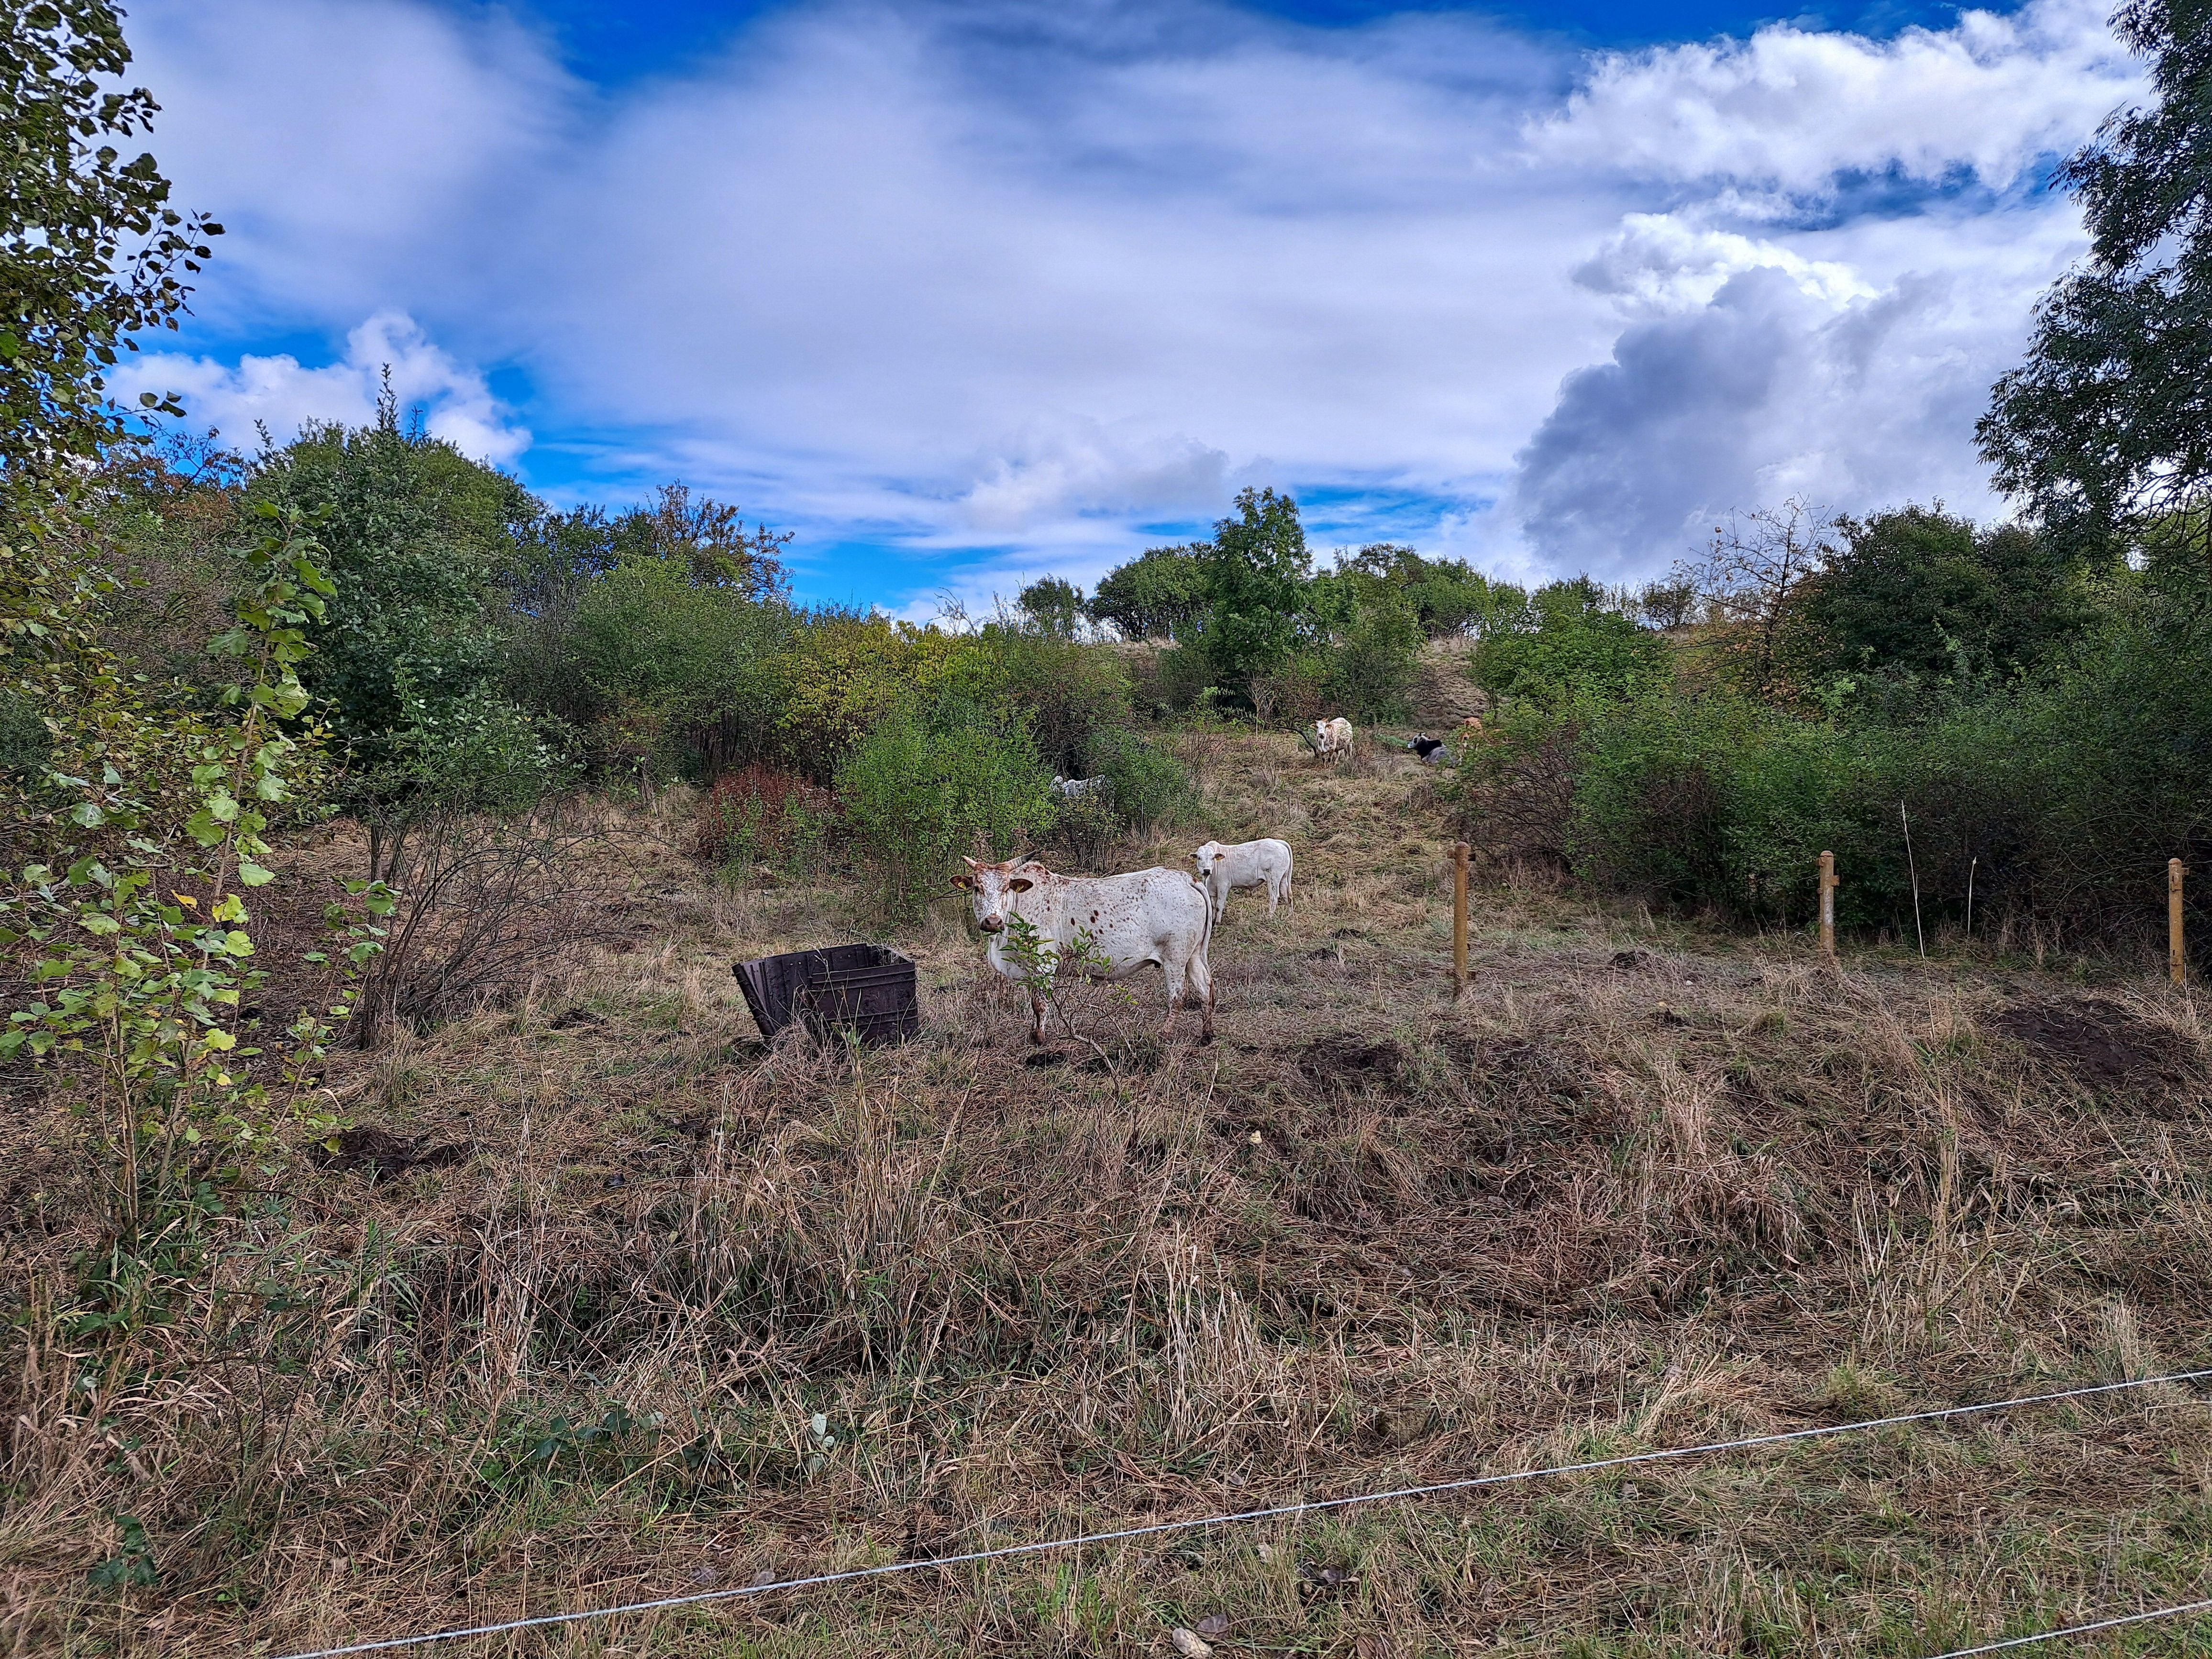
[(709, 539), (2109, 417), (1158, 596), (1919, 591), (1751, 581), (1052, 606), (1256, 572), (1570, 649), (91, 254), (413, 532)]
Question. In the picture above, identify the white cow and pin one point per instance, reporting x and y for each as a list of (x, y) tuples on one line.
[(1076, 788), (1333, 736), (1128, 923), (1265, 863)]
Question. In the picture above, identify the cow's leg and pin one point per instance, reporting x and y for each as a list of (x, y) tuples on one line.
[(1173, 975), (1199, 976), (1036, 1017)]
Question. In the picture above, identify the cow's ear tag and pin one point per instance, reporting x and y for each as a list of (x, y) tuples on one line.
[(963, 881), (1021, 883)]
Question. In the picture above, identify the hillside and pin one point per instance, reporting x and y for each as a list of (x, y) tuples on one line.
[(559, 1340)]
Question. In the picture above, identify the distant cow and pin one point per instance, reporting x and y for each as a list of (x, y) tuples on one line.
[(1077, 788), (1248, 864), (1333, 736), (1472, 723), (1430, 750), (1129, 923)]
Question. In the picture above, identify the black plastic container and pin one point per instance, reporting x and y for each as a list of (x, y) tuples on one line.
[(865, 989)]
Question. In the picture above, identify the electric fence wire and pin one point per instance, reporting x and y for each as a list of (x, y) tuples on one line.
[(1472, 1483), (2115, 1623)]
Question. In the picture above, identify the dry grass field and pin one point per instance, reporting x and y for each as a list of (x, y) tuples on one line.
[(561, 1339)]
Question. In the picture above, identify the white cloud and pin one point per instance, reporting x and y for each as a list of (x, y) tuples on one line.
[(1794, 108), (1656, 263), (279, 393), (1000, 289), (1076, 466)]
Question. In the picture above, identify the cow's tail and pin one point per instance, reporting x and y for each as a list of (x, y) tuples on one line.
[(1206, 938)]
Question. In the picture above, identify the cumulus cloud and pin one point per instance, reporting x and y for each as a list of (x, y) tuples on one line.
[(966, 289), (279, 393), (1764, 394), (1794, 108), (1658, 263)]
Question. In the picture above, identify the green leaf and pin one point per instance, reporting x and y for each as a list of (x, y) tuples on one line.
[(254, 875)]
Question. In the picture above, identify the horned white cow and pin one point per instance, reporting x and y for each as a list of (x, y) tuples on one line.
[(1333, 736), (1129, 923), (1265, 863)]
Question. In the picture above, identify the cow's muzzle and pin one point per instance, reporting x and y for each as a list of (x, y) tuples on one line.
[(991, 924)]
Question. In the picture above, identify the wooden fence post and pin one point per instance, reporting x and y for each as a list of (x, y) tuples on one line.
[(1828, 905), (2177, 964), (1459, 920)]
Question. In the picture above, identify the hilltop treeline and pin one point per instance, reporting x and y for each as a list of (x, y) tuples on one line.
[(2004, 717), (476, 653)]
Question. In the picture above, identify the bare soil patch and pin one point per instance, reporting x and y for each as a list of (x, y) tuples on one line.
[(2100, 1042)]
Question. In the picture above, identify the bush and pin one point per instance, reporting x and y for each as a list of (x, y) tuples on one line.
[(761, 815), (1147, 787), (2057, 798), (917, 794), (842, 674), (1372, 668), (1575, 652), (1071, 693)]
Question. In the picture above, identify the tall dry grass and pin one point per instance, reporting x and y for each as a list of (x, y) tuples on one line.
[(1644, 1186)]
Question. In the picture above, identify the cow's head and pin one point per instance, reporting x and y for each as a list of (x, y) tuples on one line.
[(995, 885), (1206, 857)]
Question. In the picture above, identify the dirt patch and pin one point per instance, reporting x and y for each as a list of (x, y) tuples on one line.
[(2100, 1041), (382, 1152), (1348, 1058)]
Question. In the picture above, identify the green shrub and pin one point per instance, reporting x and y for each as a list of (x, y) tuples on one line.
[(2057, 797), (917, 794), (1570, 651), (1146, 786), (1070, 693), (1371, 670)]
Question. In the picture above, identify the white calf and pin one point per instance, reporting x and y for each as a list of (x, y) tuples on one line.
[(1333, 736), (1126, 922), (1248, 864)]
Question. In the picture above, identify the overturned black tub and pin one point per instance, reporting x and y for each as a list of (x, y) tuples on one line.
[(867, 990)]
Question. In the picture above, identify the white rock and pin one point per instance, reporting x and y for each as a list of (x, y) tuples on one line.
[(1188, 1642)]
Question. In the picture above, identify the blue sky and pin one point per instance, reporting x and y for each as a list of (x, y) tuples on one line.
[(966, 291)]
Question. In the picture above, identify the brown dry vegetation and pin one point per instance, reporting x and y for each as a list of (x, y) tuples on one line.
[(556, 1338)]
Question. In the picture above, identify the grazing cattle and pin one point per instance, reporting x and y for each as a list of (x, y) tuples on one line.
[(1248, 864), (1333, 736), (1127, 923), (1077, 788), (1472, 723), (1430, 750)]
